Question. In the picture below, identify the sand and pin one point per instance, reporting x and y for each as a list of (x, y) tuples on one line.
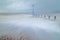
[(28, 27)]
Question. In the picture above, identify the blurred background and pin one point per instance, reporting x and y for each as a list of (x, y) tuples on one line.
[(35, 19), (34, 7), (40, 6)]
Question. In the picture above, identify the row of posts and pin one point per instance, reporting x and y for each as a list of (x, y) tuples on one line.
[(48, 17), (37, 15)]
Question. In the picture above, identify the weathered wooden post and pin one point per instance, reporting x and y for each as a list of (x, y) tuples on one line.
[(44, 16), (48, 17), (33, 10), (54, 17)]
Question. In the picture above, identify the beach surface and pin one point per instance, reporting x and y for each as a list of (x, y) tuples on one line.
[(29, 27)]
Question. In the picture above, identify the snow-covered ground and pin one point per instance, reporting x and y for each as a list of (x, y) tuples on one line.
[(29, 27)]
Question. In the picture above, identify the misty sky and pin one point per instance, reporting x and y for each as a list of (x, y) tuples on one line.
[(26, 5)]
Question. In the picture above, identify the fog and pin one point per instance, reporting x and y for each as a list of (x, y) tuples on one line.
[(31, 27), (30, 19)]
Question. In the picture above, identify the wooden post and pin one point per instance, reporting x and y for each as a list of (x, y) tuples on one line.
[(44, 16), (54, 17), (33, 10), (48, 17)]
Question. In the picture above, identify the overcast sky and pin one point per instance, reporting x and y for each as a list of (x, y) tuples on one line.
[(26, 5)]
